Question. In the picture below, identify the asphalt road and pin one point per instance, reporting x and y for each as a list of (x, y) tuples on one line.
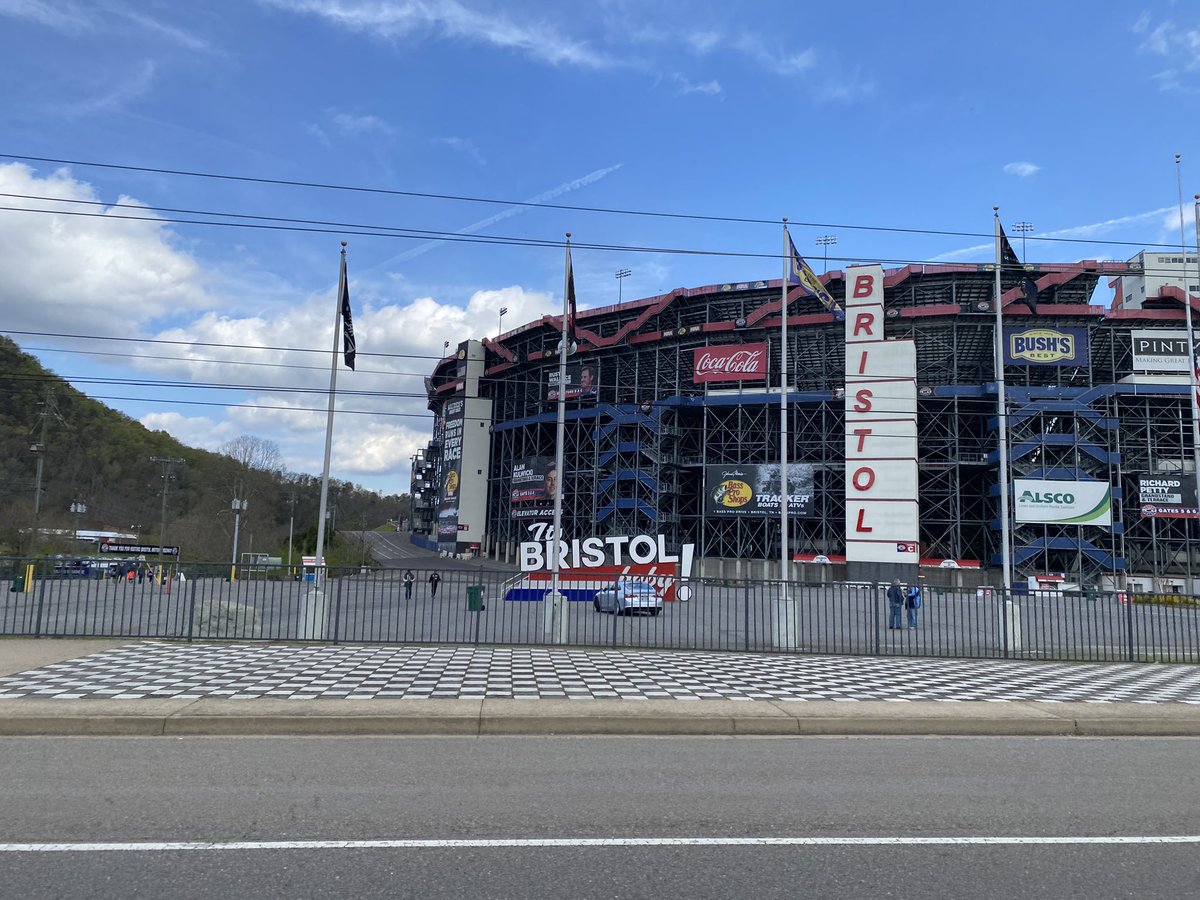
[(446, 794)]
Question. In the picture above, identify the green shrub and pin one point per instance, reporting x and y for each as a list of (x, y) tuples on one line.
[(1181, 600)]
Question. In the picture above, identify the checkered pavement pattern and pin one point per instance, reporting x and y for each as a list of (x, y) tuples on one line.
[(240, 671)]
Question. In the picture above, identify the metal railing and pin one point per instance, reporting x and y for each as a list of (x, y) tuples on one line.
[(469, 606)]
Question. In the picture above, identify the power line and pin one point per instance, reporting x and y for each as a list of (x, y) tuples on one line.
[(616, 211)]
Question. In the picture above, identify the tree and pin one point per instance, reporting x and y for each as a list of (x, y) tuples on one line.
[(260, 454)]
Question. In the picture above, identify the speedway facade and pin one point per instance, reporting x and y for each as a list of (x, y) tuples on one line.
[(668, 394)]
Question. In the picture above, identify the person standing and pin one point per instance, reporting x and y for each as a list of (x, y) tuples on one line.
[(895, 597), (434, 580), (912, 602), (409, 578)]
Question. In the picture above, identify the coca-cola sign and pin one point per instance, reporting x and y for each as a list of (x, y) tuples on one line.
[(730, 362)]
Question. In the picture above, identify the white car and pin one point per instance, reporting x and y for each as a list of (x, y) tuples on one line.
[(628, 596)]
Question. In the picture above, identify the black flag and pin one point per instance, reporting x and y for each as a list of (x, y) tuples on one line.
[(1010, 264), (348, 347)]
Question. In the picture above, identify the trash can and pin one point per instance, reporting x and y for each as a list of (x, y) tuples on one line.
[(474, 597), (18, 583), (1090, 593)]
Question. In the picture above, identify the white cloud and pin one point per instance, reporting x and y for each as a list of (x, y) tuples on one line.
[(1021, 169), (77, 273), (351, 124), (1177, 44), (76, 18), (126, 89), (1089, 231), (462, 145), (683, 86), (455, 21), (194, 431)]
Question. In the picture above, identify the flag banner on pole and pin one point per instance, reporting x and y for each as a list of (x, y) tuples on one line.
[(802, 275), (348, 345), (1009, 264), (570, 301)]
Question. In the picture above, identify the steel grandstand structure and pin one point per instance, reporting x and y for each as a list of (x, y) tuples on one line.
[(636, 453)]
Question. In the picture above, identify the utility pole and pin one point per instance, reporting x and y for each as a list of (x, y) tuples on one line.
[(167, 463), (238, 506), (291, 526), (363, 561), (38, 449)]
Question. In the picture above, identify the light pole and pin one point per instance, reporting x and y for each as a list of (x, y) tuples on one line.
[(78, 508), (239, 507), (1023, 228), (622, 274), (291, 524), (445, 348), (500, 324), (825, 241)]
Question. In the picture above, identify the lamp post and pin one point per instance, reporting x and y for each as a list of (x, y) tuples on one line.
[(291, 525), (78, 508), (1023, 228), (825, 241), (500, 324), (622, 274), (445, 348), (239, 507), (167, 462)]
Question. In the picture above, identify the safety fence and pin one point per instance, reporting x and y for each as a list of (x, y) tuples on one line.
[(464, 605)]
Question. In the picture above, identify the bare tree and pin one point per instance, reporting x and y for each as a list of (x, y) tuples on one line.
[(253, 452)]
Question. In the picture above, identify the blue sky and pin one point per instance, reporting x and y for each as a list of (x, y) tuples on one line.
[(896, 116)]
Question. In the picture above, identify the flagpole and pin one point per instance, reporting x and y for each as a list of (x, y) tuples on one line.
[(1002, 408), (556, 610), (333, 369), (1187, 305), (784, 568)]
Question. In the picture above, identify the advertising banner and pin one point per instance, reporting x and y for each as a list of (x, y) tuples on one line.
[(1046, 346), (531, 488), (754, 490), (1062, 502), (582, 382), (1168, 497), (730, 362), (1160, 350), (453, 415)]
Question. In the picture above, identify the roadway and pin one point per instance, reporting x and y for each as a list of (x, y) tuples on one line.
[(849, 817)]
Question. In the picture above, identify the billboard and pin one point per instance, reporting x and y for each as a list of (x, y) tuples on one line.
[(1044, 502), (1042, 346), (453, 415), (582, 382), (1159, 350), (1168, 497), (754, 490), (730, 362), (531, 488)]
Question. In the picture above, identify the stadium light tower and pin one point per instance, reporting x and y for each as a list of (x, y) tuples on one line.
[(825, 240), (500, 324), (622, 274), (1023, 228)]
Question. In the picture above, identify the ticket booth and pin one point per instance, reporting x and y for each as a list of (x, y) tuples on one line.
[(308, 571)]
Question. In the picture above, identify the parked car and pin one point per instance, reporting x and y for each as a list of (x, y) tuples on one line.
[(627, 597)]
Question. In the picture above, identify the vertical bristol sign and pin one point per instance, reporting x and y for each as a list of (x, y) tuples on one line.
[(882, 519)]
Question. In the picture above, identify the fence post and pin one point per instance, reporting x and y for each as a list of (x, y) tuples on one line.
[(999, 592), (1129, 651), (337, 608), (192, 608), (37, 628), (746, 610), (880, 611)]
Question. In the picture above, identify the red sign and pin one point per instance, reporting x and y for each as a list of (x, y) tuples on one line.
[(664, 576), (730, 362)]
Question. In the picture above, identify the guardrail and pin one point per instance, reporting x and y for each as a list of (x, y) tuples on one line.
[(468, 606)]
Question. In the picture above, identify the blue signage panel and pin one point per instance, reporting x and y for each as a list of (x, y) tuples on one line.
[(1042, 346)]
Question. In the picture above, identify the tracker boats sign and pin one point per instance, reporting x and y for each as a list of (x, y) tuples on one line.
[(730, 362)]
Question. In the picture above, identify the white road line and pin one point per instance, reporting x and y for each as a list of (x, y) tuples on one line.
[(518, 843)]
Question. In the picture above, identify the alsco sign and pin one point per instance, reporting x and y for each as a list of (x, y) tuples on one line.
[(1045, 347), (1047, 502), (730, 362)]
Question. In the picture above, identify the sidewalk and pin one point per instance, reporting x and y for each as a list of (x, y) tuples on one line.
[(121, 687)]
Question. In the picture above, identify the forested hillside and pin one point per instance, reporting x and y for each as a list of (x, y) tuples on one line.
[(105, 460)]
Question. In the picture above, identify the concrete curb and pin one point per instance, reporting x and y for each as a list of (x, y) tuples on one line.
[(208, 717)]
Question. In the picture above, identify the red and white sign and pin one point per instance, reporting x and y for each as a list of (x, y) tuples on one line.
[(663, 576), (881, 430), (730, 362)]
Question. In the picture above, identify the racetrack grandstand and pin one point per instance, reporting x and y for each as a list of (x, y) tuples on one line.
[(669, 394)]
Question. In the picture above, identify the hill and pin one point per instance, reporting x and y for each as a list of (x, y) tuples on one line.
[(99, 457)]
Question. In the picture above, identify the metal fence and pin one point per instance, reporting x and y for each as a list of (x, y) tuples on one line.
[(469, 606)]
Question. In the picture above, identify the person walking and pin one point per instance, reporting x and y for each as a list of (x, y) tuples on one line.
[(409, 578), (895, 597), (912, 602), (434, 580)]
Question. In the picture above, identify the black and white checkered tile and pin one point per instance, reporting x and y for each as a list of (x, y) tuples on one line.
[(240, 671)]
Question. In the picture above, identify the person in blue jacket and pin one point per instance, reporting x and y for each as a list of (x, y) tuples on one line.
[(912, 602)]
